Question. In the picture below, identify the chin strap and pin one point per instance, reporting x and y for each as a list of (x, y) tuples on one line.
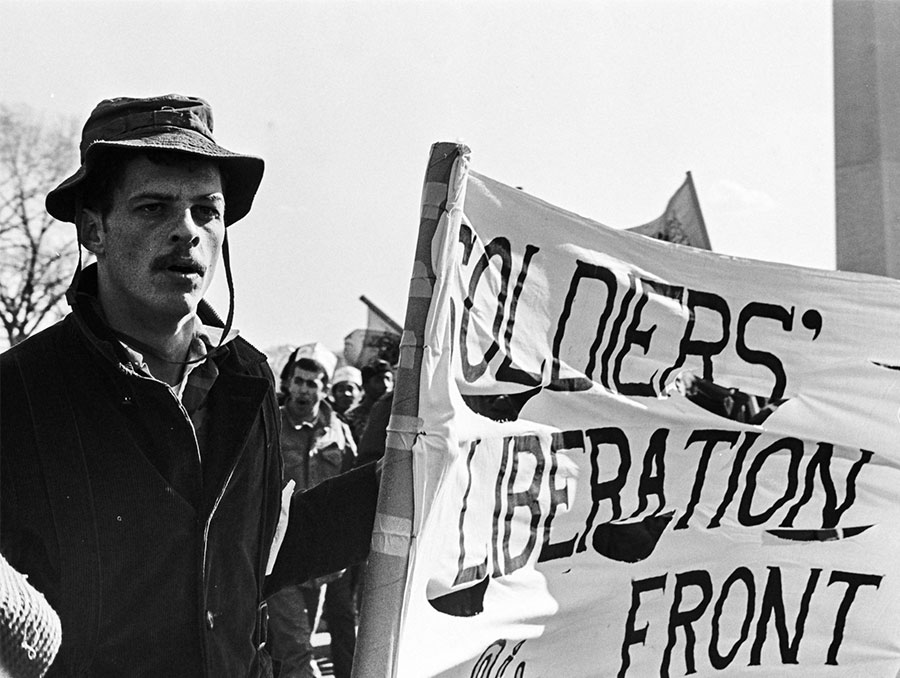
[(226, 260), (73, 286)]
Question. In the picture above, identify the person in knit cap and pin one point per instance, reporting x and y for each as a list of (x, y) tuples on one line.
[(346, 388), (141, 476)]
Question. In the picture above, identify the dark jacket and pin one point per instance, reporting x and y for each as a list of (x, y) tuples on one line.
[(146, 582)]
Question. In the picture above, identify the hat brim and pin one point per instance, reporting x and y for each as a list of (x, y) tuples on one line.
[(243, 172)]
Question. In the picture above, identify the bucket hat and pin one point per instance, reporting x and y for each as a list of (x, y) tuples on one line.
[(171, 122)]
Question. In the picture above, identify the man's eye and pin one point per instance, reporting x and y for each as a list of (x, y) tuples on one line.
[(150, 208), (208, 213)]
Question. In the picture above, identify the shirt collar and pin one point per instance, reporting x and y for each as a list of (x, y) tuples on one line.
[(205, 340), (322, 420)]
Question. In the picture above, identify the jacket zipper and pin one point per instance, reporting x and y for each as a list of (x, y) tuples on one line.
[(206, 615), (206, 612), (184, 413)]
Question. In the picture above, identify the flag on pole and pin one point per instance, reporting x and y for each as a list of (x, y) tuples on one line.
[(378, 320), (682, 222), (610, 456), (379, 341)]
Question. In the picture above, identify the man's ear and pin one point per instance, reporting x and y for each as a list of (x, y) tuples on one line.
[(92, 232)]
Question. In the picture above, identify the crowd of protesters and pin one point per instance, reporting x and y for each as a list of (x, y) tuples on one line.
[(325, 414)]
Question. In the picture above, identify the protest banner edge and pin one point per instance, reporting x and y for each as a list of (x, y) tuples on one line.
[(393, 533)]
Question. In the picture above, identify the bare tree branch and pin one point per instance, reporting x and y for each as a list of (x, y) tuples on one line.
[(37, 253)]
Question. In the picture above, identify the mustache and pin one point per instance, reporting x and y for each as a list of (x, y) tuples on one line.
[(178, 262)]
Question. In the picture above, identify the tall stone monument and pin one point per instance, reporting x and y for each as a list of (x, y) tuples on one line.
[(867, 135)]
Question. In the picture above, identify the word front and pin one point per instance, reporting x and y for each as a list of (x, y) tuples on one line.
[(697, 605)]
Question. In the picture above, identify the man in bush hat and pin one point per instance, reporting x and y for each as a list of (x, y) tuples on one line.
[(141, 471)]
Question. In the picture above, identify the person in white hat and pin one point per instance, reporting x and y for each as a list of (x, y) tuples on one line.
[(346, 388)]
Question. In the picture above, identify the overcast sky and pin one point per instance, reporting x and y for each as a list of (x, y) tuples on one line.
[(598, 107)]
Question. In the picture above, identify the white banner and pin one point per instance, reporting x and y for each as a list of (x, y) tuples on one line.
[(641, 459)]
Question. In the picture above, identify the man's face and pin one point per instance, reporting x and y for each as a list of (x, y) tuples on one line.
[(345, 395), (379, 384), (306, 390), (158, 245)]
